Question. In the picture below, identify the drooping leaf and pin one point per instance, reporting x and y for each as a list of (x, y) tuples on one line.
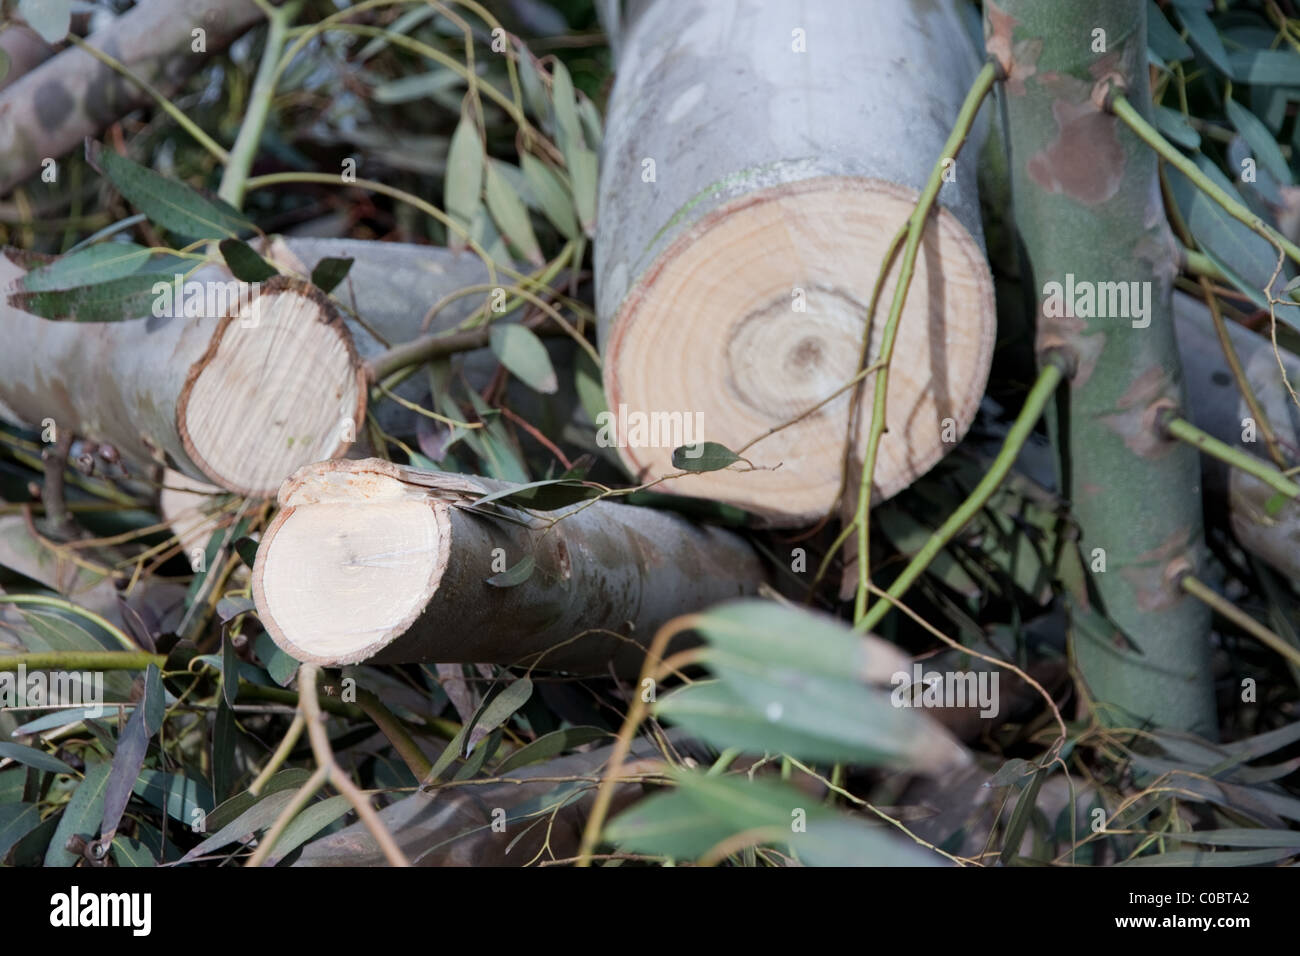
[(307, 824), (703, 456), (184, 798), (511, 216), (520, 350), (568, 127), (1163, 38), (229, 811), (259, 815), (464, 182), (1261, 141), (224, 735), (582, 163), (1265, 67), (131, 853), (245, 264), (167, 202), (1205, 37), (329, 272), (551, 194)]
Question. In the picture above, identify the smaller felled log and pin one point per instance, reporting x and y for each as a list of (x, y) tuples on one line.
[(368, 560)]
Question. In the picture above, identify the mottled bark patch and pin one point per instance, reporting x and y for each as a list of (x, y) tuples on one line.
[(1151, 574), (1085, 161), (1139, 406), (1018, 61), (53, 105)]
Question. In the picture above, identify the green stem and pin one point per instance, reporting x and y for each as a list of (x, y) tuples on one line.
[(915, 231), (1185, 431), (82, 661), (1048, 378), (41, 600), (187, 124), (396, 733), (1199, 264), (235, 177), (1129, 115), (1230, 612)]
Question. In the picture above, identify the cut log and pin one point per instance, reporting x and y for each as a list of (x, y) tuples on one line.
[(367, 560), (757, 160), (52, 109), (1216, 405), (238, 398)]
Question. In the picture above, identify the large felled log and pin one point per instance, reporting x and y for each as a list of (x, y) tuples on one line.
[(52, 109), (1216, 405), (757, 160), (367, 560), (236, 393)]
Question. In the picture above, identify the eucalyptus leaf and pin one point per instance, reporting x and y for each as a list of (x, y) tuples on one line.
[(522, 352), (703, 456), (32, 757), (81, 815)]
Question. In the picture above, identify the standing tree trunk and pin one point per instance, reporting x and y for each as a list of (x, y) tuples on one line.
[(369, 560), (757, 160), (1088, 210)]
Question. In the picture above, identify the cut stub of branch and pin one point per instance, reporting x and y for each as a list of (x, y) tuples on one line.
[(755, 167), (238, 393), (53, 108), (368, 560)]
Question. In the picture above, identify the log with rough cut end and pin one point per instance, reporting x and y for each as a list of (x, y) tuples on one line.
[(370, 560), (757, 161), (230, 394)]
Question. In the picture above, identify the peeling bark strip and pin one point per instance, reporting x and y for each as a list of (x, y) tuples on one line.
[(370, 560), (52, 109), (1087, 203), (758, 158), (239, 397)]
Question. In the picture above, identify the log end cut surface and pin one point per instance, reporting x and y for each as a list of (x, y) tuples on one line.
[(280, 387), (350, 561), (715, 333)]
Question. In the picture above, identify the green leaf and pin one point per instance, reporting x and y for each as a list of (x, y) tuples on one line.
[(1163, 38), (546, 495), (4, 65), (89, 266), (178, 794), (132, 747), (703, 456), (49, 18), (307, 824), (1244, 836), (1205, 37), (259, 815), (245, 264), (522, 352), (81, 816), (1176, 128), (130, 853), (568, 127), (130, 297), (1265, 67), (510, 215), (229, 669), (1206, 858), (329, 272), (278, 663), (33, 758), (224, 736), (246, 548), (535, 95), (464, 182), (582, 163), (167, 202), (1260, 140), (16, 821), (415, 87), (704, 811), (518, 574), (552, 195), (501, 707), (232, 809), (549, 746)]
